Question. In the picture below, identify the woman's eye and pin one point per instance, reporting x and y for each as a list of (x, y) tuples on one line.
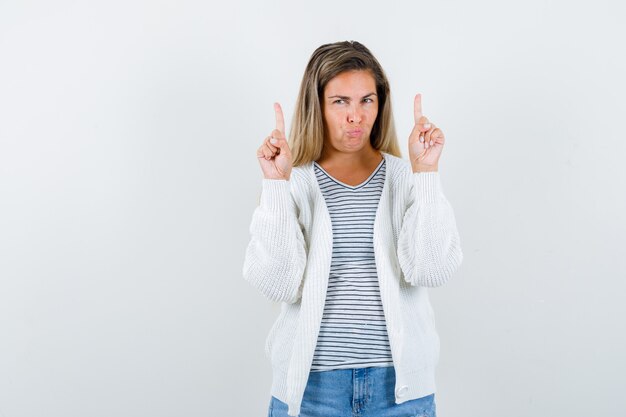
[(369, 100), (339, 101)]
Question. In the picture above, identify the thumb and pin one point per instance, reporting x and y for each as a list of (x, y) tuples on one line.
[(423, 124), (278, 139)]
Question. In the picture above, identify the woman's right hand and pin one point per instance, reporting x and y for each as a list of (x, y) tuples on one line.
[(275, 158)]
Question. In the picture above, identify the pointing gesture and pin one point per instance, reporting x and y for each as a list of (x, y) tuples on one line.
[(425, 142), (280, 120), (274, 155)]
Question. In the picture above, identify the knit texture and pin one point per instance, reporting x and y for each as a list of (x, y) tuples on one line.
[(416, 245)]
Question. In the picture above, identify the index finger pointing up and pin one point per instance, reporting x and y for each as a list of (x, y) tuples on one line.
[(280, 120), (417, 107)]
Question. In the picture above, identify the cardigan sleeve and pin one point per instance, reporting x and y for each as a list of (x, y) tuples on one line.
[(429, 247), (275, 257)]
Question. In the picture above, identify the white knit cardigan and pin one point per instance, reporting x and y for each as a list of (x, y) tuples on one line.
[(416, 245)]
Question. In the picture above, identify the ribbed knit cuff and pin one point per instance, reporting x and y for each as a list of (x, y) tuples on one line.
[(427, 186), (276, 196)]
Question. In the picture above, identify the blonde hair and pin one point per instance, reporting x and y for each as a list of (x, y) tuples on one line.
[(306, 138)]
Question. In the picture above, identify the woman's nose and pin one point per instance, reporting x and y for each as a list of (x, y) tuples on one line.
[(354, 115)]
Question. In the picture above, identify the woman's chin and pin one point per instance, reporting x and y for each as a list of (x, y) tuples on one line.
[(354, 142)]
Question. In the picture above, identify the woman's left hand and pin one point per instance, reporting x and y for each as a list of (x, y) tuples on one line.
[(425, 142)]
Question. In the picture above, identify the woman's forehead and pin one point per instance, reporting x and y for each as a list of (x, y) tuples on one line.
[(353, 82)]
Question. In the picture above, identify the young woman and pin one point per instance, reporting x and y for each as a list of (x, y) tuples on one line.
[(348, 236)]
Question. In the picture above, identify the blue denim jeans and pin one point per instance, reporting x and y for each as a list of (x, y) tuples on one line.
[(360, 392)]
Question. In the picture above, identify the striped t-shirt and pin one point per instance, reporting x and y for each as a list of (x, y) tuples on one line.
[(353, 332)]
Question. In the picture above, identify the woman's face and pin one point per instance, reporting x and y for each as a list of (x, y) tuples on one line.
[(350, 107)]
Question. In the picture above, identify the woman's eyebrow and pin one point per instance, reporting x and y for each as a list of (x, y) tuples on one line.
[(347, 98)]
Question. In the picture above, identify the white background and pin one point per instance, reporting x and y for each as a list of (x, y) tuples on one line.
[(128, 177)]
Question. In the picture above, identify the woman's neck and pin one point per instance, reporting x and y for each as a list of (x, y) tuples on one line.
[(353, 160)]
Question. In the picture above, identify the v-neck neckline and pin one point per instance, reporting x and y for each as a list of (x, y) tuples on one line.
[(353, 187)]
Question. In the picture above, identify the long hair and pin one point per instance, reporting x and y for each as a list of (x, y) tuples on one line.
[(306, 138)]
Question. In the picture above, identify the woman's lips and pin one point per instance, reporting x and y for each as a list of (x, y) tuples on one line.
[(354, 133)]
